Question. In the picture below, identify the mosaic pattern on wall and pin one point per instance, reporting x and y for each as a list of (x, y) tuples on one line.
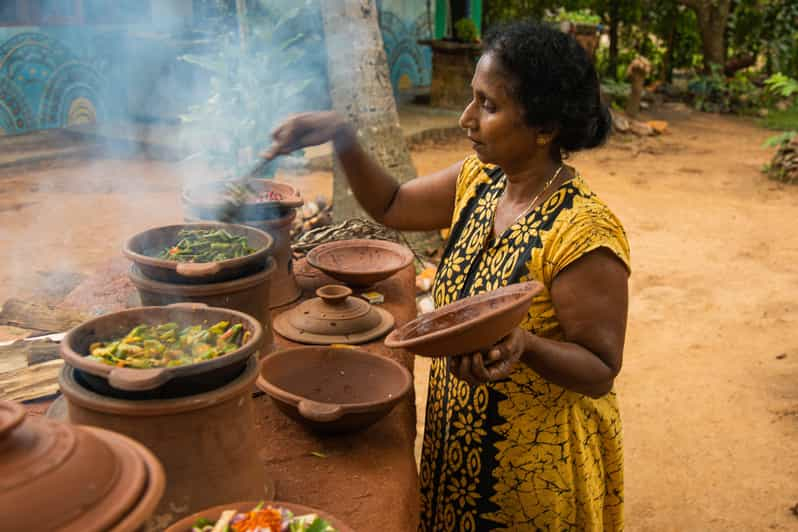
[(44, 85), (410, 63)]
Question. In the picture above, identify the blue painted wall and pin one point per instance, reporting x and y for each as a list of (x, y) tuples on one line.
[(60, 76), (403, 23)]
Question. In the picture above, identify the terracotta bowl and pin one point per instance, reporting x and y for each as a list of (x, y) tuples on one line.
[(144, 247), (184, 525), (75, 347), (333, 390), (468, 325), (206, 201), (360, 262)]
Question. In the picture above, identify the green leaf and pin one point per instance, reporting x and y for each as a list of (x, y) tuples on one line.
[(318, 525)]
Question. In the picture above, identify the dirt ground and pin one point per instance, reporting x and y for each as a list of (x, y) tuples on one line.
[(708, 391)]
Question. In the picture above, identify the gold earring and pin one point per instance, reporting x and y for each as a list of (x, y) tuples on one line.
[(542, 140)]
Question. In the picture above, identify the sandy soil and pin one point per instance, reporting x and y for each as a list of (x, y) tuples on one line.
[(708, 390)]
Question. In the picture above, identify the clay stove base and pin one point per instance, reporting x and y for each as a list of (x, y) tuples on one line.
[(205, 442)]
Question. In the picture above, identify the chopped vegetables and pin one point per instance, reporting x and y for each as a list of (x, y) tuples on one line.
[(241, 194), (261, 519), (206, 245), (167, 345)]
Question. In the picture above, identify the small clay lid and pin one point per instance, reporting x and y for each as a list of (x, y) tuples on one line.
[(333, 317), (55, 476)]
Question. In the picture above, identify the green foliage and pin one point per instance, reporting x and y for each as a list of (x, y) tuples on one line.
[(617, 91), (778, 140), (579, 16), (716, 93), (782, 85), (781, 120), (465, 30), (766, 27), (251, 87)]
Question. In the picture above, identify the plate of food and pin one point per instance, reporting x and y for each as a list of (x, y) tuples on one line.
[(258, 517)]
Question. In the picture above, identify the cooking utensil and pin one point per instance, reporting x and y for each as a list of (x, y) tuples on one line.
[(334, 317), (468, 325), (212, 514), (143, 249), (333, 390), (55, 476), (75, 346), (360, 262)]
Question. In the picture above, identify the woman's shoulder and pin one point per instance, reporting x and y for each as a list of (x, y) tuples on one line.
[(587, 224)]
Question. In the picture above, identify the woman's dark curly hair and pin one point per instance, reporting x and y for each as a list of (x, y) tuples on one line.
[(554, 81)]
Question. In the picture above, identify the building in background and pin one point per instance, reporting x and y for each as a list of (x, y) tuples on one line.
[(71, 62)]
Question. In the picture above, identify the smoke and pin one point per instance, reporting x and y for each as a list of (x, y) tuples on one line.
[(61, 222)]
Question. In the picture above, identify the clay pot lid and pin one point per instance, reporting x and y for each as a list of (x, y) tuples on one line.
[(333, 317), (55, 476)]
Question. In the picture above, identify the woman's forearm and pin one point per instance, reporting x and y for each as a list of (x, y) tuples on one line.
[(373, 187), (568, 365)]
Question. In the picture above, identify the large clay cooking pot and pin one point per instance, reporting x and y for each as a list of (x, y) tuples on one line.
[(55, 476), (75, 346), (143, 249), (333, 390), (204, 441)]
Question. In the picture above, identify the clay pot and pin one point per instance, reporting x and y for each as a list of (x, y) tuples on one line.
[(333, 390), (204, 441), (55, 476), (205, 201), (212, 514), (275, 218), (75, 348), (249, 295), (333, 318), (468, 325), (144, 247), (360, 262)]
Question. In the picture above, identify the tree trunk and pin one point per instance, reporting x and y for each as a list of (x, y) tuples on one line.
[(712, 16), (360, 89), (614, 16), (667, 67)]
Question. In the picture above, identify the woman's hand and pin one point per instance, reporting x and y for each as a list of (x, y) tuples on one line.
[(303, 130), (497, 364)]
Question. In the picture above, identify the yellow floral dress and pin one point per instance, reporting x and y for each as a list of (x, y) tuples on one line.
[(523, 453)]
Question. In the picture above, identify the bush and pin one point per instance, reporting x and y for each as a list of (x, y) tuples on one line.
[(715, 93)]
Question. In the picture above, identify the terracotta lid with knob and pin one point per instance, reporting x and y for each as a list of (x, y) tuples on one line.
[(335, 317), (55, 476)]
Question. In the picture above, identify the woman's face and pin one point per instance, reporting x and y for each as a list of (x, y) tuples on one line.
[(494, 119)]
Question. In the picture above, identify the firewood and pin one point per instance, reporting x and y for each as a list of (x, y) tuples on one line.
[(39, 317), (31, 382)]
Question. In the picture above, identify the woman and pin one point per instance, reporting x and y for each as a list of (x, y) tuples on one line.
[(526, 436)]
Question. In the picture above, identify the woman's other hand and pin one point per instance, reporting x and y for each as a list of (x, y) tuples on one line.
[(497, 364), (305, 129)]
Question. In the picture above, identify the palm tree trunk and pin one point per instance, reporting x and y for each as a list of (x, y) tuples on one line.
[(360, 89)]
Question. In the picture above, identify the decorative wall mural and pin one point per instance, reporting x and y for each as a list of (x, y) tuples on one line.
[(410, 64), (15, 114), (44, 85)]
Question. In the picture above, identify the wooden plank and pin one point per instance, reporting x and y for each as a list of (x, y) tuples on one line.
[(31, 382), (21, 354), (39, 317)]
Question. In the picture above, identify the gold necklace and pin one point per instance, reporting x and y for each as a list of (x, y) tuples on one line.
[(532, 203), (528, 208)]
